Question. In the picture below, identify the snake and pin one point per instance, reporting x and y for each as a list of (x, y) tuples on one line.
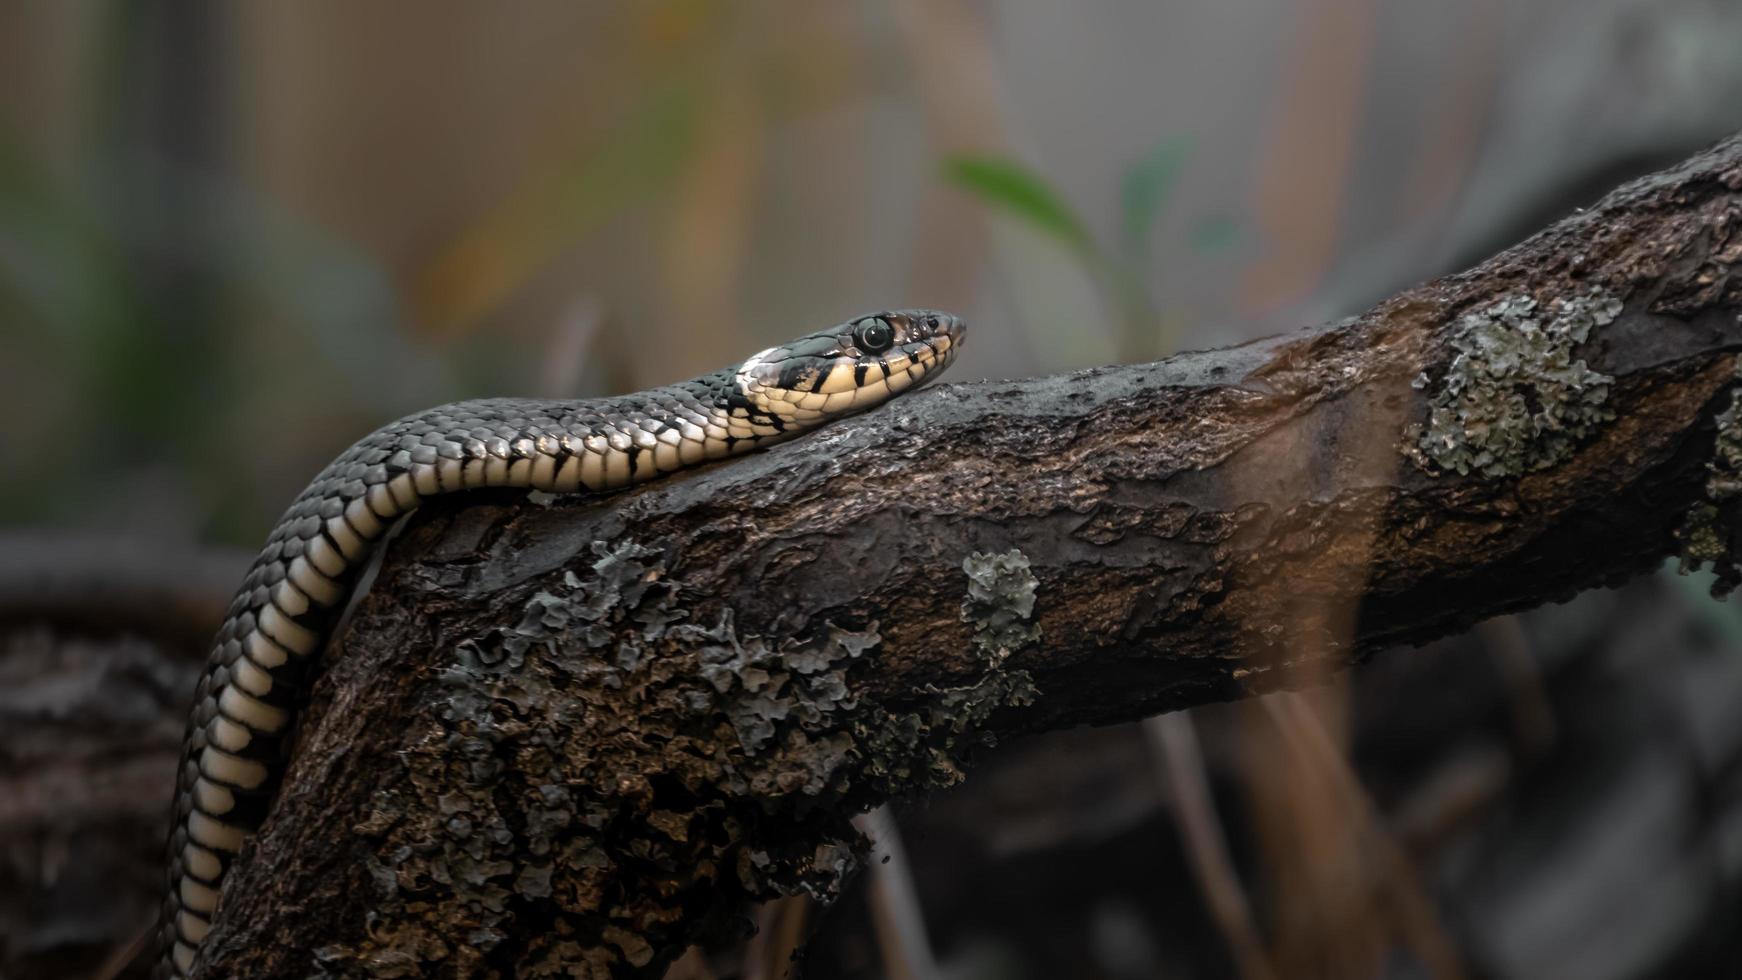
[(284, 612)]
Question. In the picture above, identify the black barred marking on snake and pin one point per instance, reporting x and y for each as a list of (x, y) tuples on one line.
[(281, 616)]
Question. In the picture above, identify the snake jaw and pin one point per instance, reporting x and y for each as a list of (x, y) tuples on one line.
[(847, 368)]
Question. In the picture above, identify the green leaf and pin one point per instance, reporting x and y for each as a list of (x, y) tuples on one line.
[(1215, 234), (1144, 190), (1021, 193)]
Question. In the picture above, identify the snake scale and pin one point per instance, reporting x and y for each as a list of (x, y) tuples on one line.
[(282, 614)]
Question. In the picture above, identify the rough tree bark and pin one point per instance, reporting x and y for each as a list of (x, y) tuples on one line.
[(569, 737)]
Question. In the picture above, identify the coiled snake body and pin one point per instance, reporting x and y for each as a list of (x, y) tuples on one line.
[(281, 616)]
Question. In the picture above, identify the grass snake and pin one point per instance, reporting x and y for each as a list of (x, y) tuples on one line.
[(279, 621)]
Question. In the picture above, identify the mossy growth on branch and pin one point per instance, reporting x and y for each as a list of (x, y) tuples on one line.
[(1514, 398), (630, 774), (1000, 601), (1707, 531)]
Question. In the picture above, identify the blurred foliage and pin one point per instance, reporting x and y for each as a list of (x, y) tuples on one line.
[(1022, 193), (1147, 330), (164, 311), (690, 59), (1144, 190), (630, 163), (134, 324)]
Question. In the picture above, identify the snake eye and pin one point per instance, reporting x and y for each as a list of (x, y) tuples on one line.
[(874, 335)]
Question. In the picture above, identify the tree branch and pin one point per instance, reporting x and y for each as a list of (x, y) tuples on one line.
[(571, 737)]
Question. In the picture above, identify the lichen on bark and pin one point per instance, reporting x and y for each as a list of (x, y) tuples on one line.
[(614, 763), (1707, 533), (1000, 601), (1514, 398)]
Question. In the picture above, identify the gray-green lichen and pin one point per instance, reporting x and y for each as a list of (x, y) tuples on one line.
[(1000, 600), (625, 771), (1705, 533), (1514, 399)]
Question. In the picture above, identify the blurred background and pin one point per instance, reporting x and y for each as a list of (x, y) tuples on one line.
[(233, 238)]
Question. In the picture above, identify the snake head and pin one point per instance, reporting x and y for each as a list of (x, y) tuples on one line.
[(848, 367)]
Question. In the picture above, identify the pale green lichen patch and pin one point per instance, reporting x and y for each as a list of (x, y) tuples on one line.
[(762, 685), (1000, 600), (1514, 398), (1725, 482), (619, 767), (1705, 533)]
